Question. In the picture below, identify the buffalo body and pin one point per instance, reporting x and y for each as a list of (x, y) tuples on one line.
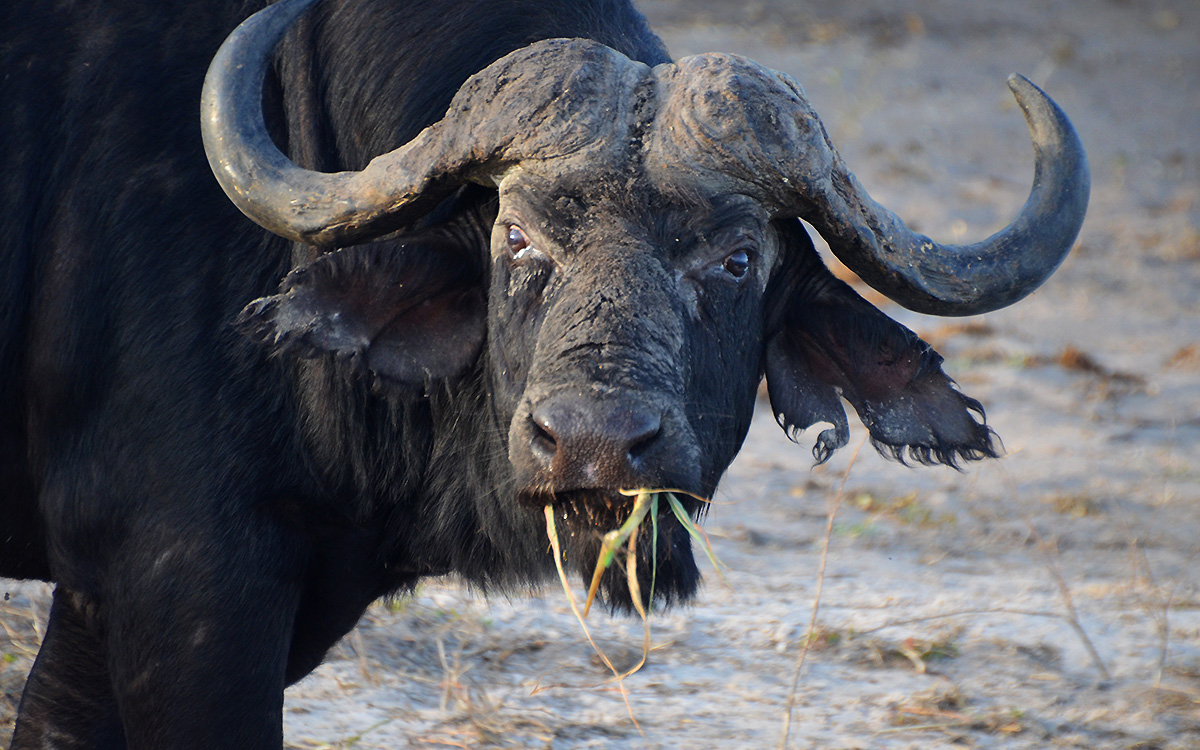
[(576, 276)]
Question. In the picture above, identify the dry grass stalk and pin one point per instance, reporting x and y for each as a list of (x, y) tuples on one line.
[(812, 622), (359, 647), (1163, 598), (1049, 553), (552, 533), (961, 613), (635, 594), (1049, 557), (645, 504)]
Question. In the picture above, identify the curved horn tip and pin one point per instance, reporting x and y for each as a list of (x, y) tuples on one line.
[(1034, 102), (1041, 111), (952, 280), (1020, 84), (1050, 128)]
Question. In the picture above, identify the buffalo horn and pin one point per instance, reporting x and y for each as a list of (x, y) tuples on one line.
[(558, 95), (938, 279), (755, 129)]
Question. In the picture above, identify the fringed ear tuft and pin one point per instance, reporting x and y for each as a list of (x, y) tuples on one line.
[(799, 400), (828, 342)]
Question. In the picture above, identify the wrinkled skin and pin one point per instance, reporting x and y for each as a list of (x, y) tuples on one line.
[(620, 310), (622, 302)]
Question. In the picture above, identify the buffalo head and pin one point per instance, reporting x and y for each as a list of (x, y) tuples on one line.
[(645, 267)]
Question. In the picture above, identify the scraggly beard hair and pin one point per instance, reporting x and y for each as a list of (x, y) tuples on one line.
[(583, 517)]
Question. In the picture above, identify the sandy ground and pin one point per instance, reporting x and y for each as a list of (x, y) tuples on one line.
[(1050, 599)]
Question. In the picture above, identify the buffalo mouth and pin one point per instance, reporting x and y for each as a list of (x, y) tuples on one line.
[(665, 564)]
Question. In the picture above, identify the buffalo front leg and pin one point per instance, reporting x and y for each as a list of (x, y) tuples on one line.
[(187, 638), (198, 630), (68, 701)]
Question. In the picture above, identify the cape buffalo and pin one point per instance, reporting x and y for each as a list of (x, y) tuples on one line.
[(527, 261)]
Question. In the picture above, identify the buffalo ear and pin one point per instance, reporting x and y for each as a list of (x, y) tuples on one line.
[(828, 342), (407, 312)]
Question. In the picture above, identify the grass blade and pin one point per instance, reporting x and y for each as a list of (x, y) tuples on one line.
[(653, 547), (552, 533), (635, 594), (614, 540), (686, 522)]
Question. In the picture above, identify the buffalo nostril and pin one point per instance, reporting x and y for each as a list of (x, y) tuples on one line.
[(543, 443), (643, 437), (592, 442)]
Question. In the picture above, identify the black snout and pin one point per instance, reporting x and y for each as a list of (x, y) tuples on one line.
[(581, 442)]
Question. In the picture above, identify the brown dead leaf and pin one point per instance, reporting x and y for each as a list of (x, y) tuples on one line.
[(1186, 358)]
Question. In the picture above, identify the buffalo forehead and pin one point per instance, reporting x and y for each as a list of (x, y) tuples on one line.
[(684, 220), (591, 197), (742, 127), (711, 124), (554, 98)]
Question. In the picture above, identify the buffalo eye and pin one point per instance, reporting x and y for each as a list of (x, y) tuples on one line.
[(517, 240), (736, 264)]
